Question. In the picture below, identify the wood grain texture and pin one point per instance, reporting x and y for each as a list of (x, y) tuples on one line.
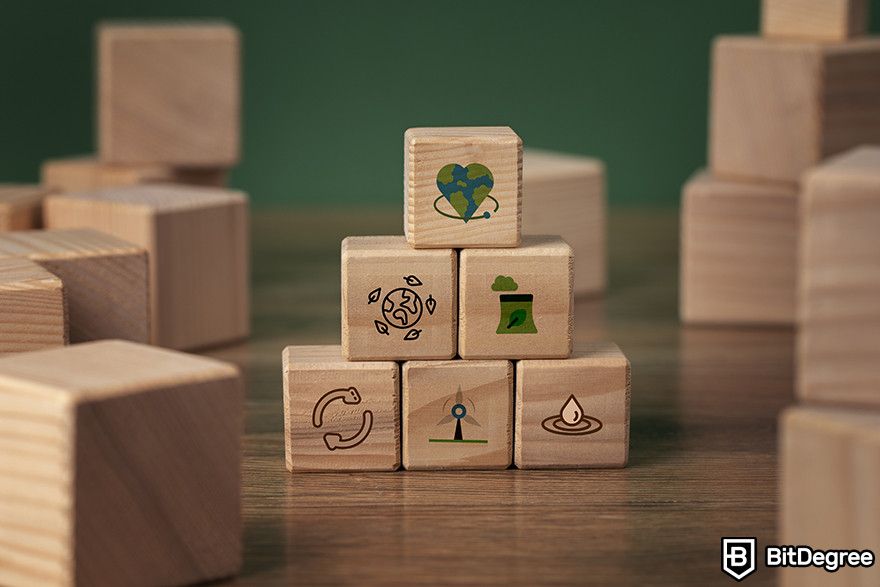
[(33, 312), (105, 279), (820, 20), (121, 466), (430, 397), (427, 151), (198, 242), (598, 376), (839, 281), (542, 268), (779, 107), (830, 470), (312, 372), (87, 173), (169, 93), (565, 195), (738, 252), (20, 206), (375, 288)]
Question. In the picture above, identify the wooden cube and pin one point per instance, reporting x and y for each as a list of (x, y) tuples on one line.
[(105, 279), (121, 466), (397, 302), (830, 466), (169, 93), (573, 413), (839, 283), (340, 415), (780, 107), (32, 307), (517, 303), (198, 244), (820, 20), (738, 249), (463, 187), (565, 195), (88, 173), (20, 206), (457, 414)]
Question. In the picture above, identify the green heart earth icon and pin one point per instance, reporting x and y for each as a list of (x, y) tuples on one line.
[(465, 188)]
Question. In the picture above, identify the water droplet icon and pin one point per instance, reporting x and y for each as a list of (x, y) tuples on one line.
[(572, 412)]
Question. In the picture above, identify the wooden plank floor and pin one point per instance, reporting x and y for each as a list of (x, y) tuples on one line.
[(702, 465)]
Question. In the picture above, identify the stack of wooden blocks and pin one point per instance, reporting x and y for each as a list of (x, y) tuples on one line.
[(468, 323)]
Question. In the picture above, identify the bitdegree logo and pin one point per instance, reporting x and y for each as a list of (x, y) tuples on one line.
[(806, 556)]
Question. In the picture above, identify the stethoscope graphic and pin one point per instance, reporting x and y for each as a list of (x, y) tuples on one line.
[(350, 396)]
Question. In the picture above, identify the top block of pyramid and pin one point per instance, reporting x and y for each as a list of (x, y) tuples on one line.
[(463, 187)]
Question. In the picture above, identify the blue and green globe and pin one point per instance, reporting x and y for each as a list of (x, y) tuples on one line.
[(465, 188)]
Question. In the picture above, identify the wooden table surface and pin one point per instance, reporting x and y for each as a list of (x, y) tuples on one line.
[(702, 454)]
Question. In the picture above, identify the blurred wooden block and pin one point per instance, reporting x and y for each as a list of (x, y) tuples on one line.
[(20, 206), (457, 414), (88, 173), (398, 303), (198, 244), (169, 93), (121, 466), (565, 195), (105, 280), (738, 249), (463, 187), (339, 415), (573, 413), (780, 107), (32, 308), (839, 285), (830, 469), (517, 303), (820, 20)]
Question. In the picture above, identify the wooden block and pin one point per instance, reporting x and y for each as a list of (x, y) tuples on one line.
[(780, 107), (169, 93), (820, 20), (738, 249), (121, 466), (463, 187), (830, 470), (397, 302), (88, 173), (457, 414), (839, 281), (198, 244), (32, 307), (573, 413), (20, 206), (565, 195), (340, 415), (105, 280), (517, 303)]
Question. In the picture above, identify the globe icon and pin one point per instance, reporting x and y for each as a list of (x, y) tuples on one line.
[(402, 308)]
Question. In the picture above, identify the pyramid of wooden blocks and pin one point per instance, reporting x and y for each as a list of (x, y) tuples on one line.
[(121, 466), (463, 187), (105, 279), (20, 206), (169, 93), (88, 173), (32, 307), (839, 284), (738, 252), (820, 20), (780, 107), (565, 195), (197, 239)]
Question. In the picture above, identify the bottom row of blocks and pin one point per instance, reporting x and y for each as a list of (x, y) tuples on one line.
[(569, 413)]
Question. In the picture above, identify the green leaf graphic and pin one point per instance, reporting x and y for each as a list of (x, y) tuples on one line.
[(517, 317)]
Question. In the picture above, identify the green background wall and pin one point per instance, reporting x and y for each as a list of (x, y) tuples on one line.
[(330, 86)]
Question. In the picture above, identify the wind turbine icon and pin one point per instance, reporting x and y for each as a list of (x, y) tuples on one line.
[(458, 412)]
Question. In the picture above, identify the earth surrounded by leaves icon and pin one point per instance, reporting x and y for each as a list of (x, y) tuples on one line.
[(402, 308)]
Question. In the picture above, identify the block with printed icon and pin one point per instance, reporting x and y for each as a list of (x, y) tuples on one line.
[(398, 303), (89, 173), (20, 206), (573, 413), (340, 415), (516, 303), (820, 20), (457, 414), (463, 187), (32, 307), (106, 279), (121, 466)]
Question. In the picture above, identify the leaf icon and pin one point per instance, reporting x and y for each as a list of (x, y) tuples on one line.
[(517, 317), (431, 305), (412, 280), (412, 334), (381, 327), (374, 295)]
